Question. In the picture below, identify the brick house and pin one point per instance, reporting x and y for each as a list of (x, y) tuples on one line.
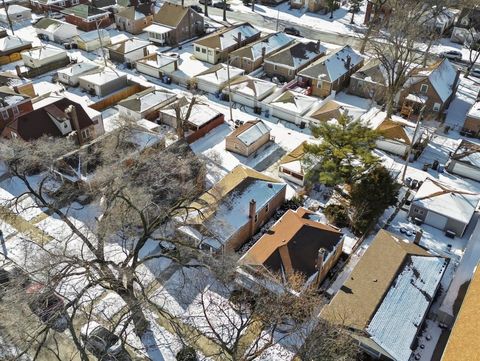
[(472, 120), (377, 13), (86, 17), (433, 87), (216, 47), (298, 243), (331, 72), (286, 63), (173, 24), (248, 138), (134, 19), (60, 118), (12, 105), (233, 210)]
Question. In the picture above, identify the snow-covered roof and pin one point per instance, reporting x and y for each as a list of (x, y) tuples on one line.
[(129, 45), (294, 102), (78, 68), (297, 54), (225, 39), (14, 9), (157, 60), (399, 316), (474, 111), (43, 52), (102, 77), (449, 202), (218, 74), (332, 66), (93, 35), (12, 42), (270, 43), (467, 152), (158, 29), (51, 25), (201, 113), (252, 87), (147, 99), (253, 132)]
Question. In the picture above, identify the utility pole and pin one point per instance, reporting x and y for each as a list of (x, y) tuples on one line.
[(8, 17), (278, 18), (409, 152), (229, 89)]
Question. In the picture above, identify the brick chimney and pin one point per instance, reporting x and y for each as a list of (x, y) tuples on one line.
[(348, 62), (320, 257), (318, 47), (264, 50), (240, 38), (19, 72), (252, 210), (71, 112), (285, 257), (418, 237)]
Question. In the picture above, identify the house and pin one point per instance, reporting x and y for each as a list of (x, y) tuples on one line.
[(431, 88), (16, 13), (443, 207), (145, 105), (203, 118), (286, 63), (54, 30), (70, 75), (471, 124), (47, 6), (292, 106), (78, 166), (251, 56), (462, 342), (248, 138), (297, 4), (44, 56), (92, 40), (293, 167), (157, 64), (128, 51), (173, 24), (217, 77), (386, 298), (103, 82), (12, 105), (216, 47), (233, 210), (370, 81), (60, 118), (377, 12), (13, 44), (86, 17), (134, 19), (332, 72), (397, 136), (297, 244), (439, 22), (465, 161), (328, 110), (250, 91), (467, 27)]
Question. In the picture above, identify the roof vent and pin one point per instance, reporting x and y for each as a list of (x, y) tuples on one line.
[(270, 185)]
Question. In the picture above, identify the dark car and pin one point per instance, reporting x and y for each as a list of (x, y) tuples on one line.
[(196, 8), (291, 31), (102, 343), (222, 5), (47, 305), (209, 2)]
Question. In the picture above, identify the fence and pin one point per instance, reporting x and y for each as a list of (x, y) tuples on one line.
[(117, 96), (34, 72), (7, 59)]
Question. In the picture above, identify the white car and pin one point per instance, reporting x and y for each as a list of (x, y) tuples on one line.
[(452, 55)]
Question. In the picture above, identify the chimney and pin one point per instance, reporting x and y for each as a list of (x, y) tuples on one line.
[(252, 210), (318, 46), (320, 257), (239, 38), (418, 237), (71, 111), (264, 50), (348, 62), (285, 257), (19, 72)]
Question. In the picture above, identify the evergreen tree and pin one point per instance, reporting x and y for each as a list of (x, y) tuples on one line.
[(344, 154)]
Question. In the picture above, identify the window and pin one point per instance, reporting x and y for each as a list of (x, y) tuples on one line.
[(419, 211), (197, 48), (275, 68), (436, 107), (424, 88), (4, 114), (15, 110), (204, 51), (267, 207), (86, 133), (256, 218)]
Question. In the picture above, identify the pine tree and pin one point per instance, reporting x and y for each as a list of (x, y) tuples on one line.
[(344, 154)]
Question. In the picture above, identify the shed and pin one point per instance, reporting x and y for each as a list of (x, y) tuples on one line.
[(145, 104), (70, 75), (465, 161), (292, 106), (248, 138), (157, 64), (250, 91), (55, 30), (39, 57), (16, 13), (92, 40), (103, 82), (216, 78), (128, 51)]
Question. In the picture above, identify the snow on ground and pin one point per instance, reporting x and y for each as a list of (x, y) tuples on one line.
[(465, 97)]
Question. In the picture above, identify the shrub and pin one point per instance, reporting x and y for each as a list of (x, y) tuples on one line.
[(337, 214), (187, 353)]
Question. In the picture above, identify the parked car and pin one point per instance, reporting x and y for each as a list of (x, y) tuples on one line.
[(102, 343), (196, 8), (475, 73), (221, 5), (452, 55), (291, 31), (209, 2), (47, 305)]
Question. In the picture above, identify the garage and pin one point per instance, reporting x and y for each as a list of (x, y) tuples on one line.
[(436, 220)]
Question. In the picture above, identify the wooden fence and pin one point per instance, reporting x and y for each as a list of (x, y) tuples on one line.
[(7, 59), (117, 96)]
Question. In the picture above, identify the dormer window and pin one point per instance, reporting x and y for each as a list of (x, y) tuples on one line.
[(424, 88)]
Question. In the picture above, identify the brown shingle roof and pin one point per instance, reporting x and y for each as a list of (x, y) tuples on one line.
[(358, 299), (331, 109), (390, 129), (170, 14)]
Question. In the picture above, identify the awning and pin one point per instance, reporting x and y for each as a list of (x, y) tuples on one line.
[(157, 29), (421, 99)]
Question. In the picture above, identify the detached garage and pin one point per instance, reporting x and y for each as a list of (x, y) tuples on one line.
[(438, 205), (465, 162)]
